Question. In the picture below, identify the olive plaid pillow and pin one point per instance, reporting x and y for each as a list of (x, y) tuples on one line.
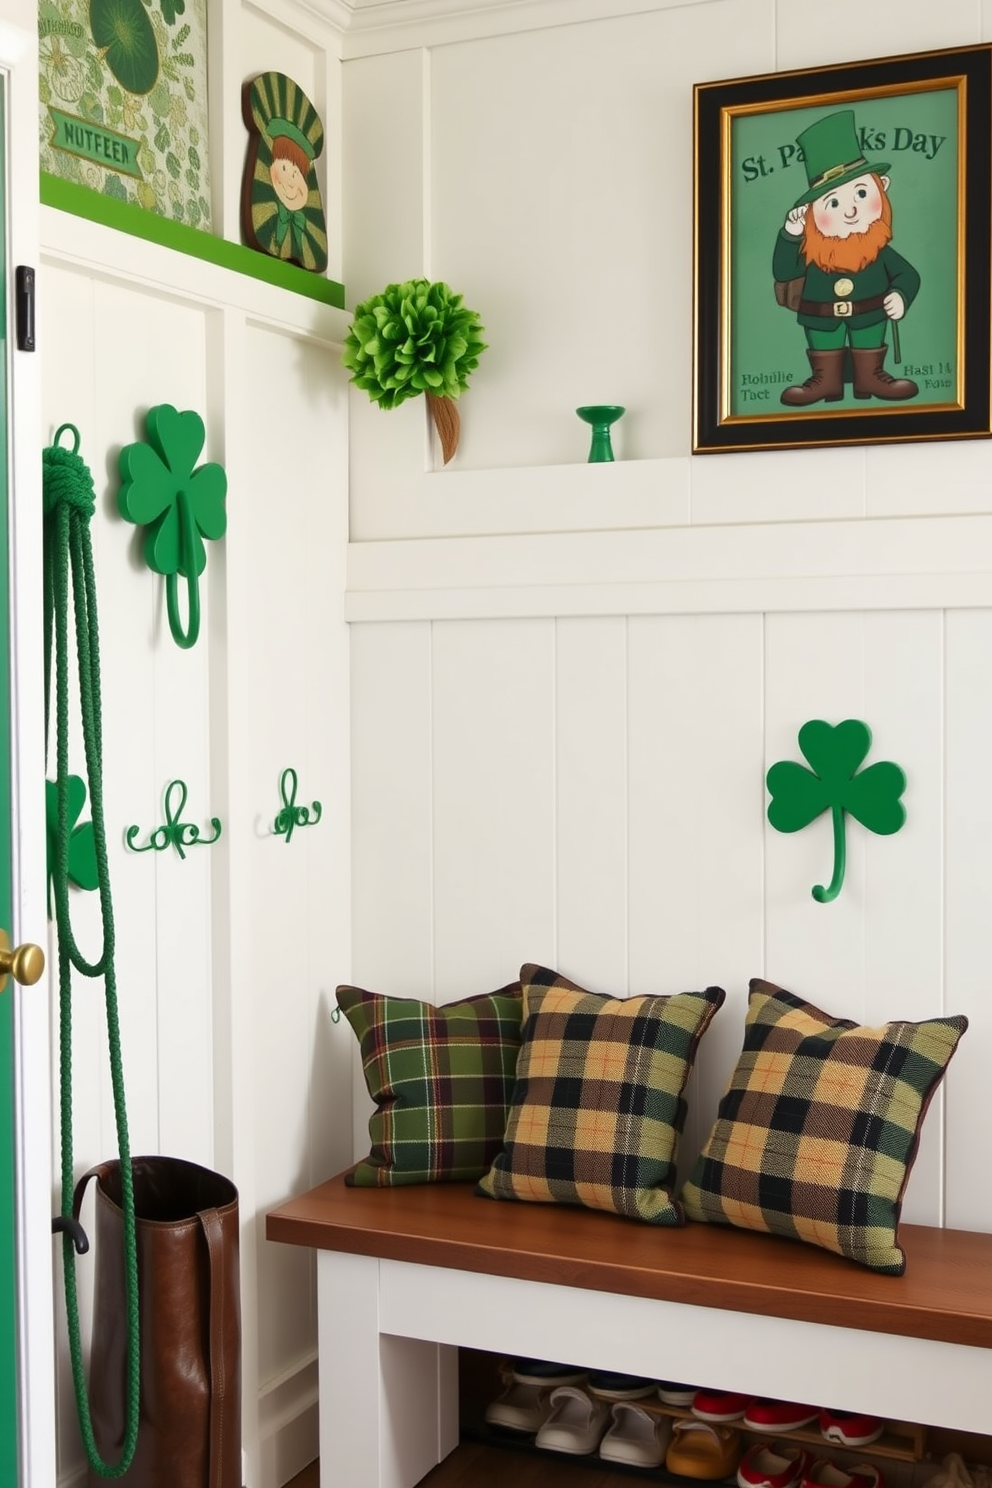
[(818, 1130), (441, 1079), (598, 1108)]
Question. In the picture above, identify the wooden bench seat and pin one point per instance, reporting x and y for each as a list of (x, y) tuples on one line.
[(406, 1275)]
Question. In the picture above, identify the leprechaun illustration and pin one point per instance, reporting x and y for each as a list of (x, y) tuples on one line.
[(281, 209), (836, 241)]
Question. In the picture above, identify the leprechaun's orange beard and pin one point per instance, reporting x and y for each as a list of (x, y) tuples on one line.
[(853, 253)]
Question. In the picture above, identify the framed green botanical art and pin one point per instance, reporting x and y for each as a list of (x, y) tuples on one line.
[(123, 94), (842, 261)]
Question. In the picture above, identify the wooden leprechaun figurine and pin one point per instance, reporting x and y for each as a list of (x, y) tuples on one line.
[(281, 208), (848, 280)]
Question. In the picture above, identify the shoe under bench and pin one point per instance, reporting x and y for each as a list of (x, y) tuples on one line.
[(406, 1276)]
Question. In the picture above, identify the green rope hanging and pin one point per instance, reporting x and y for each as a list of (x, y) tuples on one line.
[(68, 506)]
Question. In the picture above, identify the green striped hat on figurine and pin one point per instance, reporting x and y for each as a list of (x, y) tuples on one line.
[(281, 208)]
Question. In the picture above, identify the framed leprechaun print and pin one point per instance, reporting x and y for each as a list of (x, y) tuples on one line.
[(842, 254)]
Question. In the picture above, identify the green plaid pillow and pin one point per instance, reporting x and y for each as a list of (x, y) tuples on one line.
[(598, 1108), (441, 1079), (817, 1133)]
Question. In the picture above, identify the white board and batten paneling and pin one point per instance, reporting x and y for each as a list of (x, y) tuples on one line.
[(225, 960)]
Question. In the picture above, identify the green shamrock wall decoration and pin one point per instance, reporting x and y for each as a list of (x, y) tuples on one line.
[(836, 782), (82, 843), (179, 502)]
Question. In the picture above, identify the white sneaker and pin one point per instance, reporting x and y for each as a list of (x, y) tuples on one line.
[(520, 1408), (636, 1437), (576, 1423)]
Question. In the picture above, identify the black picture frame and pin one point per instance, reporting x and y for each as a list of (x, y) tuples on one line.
[(748, 335)]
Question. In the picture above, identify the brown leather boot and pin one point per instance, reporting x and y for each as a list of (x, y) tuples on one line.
[(871, 382), (826, 384)]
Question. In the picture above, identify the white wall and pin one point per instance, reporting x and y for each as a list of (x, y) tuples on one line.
[(550, 180), (568, 681)]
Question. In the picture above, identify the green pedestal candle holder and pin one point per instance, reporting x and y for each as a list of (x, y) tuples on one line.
[(602, 417)]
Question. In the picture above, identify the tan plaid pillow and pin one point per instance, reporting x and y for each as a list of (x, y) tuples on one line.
[(817, 1133), (597, 1109)]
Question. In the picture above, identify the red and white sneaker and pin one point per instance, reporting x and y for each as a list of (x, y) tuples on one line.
[(719, 1405), (825, 1474), (763, 1467), (778, 1415), (850, 1428)]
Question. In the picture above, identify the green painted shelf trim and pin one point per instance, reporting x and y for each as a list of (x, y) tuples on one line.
[(67, 196)]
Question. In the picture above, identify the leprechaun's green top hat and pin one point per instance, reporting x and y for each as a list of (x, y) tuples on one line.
[(279, 106), (832, 154), (288, 130)]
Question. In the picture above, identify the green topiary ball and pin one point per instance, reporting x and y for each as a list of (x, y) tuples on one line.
[(413, 338)]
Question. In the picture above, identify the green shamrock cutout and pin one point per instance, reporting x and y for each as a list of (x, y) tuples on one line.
[(836, 783), (82, 844), (179, 504)]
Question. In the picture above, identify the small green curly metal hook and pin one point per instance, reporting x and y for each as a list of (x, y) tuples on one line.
[(175, 832), (291, 815)]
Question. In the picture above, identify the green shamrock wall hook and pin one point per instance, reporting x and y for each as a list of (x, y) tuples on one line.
[(178, 502), (836, 782), (82, 844)]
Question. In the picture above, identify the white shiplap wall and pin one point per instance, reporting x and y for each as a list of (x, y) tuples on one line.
[(225, 960), (589, 793)]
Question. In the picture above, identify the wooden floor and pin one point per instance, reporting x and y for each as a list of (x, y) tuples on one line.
[(308, 1478), (473, 1465)]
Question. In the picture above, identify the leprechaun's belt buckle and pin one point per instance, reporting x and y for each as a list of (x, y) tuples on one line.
[(843, 308)]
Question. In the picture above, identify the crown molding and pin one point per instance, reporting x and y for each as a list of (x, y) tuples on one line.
[(370, 27), (332, 16), (338, 13)]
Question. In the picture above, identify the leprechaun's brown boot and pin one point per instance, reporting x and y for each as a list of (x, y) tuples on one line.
[(871, 382), (826, 384)]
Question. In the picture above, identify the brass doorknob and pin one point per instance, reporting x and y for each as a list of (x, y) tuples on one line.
[(24, 963)]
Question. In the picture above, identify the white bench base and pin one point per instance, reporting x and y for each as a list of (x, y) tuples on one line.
[(389, 1330)]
